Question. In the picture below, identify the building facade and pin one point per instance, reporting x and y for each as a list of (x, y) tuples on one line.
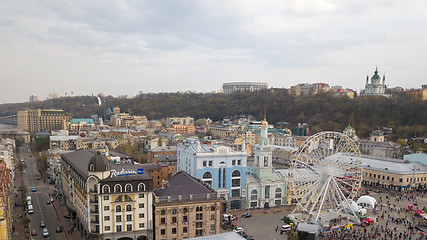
[(376, 86), (42, 120), (228, 88), (6, 191), (265, 187), (221, 167), (109, 201), (186, 208)]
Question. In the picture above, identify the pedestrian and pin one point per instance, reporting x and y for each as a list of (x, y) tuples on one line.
[(277, 228)]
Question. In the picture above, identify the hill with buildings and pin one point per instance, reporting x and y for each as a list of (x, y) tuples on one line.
[(324, 111)]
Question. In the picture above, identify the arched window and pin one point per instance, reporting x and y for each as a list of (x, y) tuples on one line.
[(185, 210), (207, 178), (128, 199), (119, 199), (128, 188), (106, 189), (199, 209), (254, 198), (107, 167), (92, 168), (236, 173), (174, 211), (117, 188), (163, 212), (128, 207), (118, 208), (141, 187)]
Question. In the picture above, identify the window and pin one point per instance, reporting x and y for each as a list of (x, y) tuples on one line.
[(199, 209), (199, 224), (267, 192), (106, 218), (106, 208), (235, 192), (212, 227), (254, 198), (173, 219), (141, 205), (118, 218), (173, 230), (239, 162), (163, 212), (141, 187), (199, 216), (118, 208), (184, 218), (212, 216), (141, 195), (107, 228), (278, 193), (128, 188), (235, 182), (129, 227), (129, 217), (141, 225), (233, 162), (119, 199), (106, 197), (205, 163), (210, 163), (388, 177), (162, 220), (162, 231), (185, 210), (174, 211), (117, 188), (184, 229), (236, 173), (207, 178), (128, 207), (92, 168), (213, 208), (141, 215), (128, 199), (400, 180), (106, 189), (199, 232)]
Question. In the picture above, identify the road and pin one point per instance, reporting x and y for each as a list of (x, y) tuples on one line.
[(42, 211)]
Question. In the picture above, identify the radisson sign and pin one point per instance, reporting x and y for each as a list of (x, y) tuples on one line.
[(125, 172)]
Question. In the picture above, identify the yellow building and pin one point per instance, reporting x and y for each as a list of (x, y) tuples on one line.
[(418, 93), (186, 208), (5, 210), (42, 120)]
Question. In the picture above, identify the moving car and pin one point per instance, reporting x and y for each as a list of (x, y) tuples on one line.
[(42, 225), (33, 189), (33, 232), (45, 232), (246, 215), (286, 228), (48, 201), (58, 229), (30, 209)]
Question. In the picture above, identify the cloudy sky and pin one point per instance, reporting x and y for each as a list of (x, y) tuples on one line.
[(124, 47)]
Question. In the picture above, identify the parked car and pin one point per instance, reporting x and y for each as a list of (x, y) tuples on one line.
[(246, 215), (33, 189), (238, 229), (48, 201), (52, 199), (42, 224), (33, 232), (286, 228), (45, 232), (58, 229), (229, 217)]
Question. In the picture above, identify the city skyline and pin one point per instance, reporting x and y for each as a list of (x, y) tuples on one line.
[(119, 48)]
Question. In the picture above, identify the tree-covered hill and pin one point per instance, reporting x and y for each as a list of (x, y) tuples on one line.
[(407, 116)]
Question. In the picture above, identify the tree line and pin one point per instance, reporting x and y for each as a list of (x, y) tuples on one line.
[(406, 115)]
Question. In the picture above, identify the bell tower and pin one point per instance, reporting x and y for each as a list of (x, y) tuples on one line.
[(263, 154)]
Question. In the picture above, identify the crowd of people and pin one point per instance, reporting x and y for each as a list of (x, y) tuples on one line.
[(393, 221)]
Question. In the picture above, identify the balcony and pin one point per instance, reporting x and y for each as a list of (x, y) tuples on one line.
[(93, 201), (94, 211), (94, 221), (93, 191)]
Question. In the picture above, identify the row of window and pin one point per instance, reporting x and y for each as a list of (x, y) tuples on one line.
[(185, 210), (128, 188), (400, 179), (119, 227), (128, 217), (119, 208), (199, 232)]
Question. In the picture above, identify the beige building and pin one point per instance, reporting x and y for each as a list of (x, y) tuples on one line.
[(394, 174), (110, 201), (42, 120), (65, 142), (186, 208), (179, 121)]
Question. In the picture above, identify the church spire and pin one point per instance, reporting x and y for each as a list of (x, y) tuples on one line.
[(264, 123)]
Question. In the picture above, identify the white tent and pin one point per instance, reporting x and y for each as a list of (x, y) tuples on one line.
[(353, 207), (367, 201)]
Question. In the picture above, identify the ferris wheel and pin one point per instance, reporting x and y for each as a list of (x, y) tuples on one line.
[(325, 176)]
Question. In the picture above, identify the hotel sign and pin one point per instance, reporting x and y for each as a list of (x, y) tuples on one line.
[(126, 172)]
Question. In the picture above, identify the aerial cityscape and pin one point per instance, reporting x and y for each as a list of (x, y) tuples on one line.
[(213, 120)]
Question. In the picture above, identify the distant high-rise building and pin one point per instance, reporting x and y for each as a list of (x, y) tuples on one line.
[(34, 98), (53, 95), (243, 86), (42, 120)]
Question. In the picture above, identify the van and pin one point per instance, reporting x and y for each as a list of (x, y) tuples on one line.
[(28, 198), (286, 228), (30, 209)]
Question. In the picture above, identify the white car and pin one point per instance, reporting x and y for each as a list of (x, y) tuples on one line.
[(45, 232), (238, 229), (286, 228)]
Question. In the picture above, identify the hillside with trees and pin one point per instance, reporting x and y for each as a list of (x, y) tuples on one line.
[(407, 116)]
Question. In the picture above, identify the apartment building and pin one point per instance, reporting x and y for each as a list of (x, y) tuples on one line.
[(186, 208), (110, 201), (42, 120), (229, 88), (6, 190), (179, 121)]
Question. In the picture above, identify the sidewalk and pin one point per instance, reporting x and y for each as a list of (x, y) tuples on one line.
[(21, 232)]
